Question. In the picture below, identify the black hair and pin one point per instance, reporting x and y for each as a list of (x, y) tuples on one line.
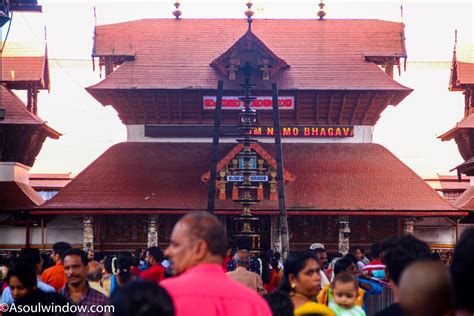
[(135, 261), (295, 262), (375, 250), (405, 251), (274, 263), (123, 263), (280, 303), (47, 261), (76, 252), (156, 253), (342, 265), (108, 263), (141, 298), (30, 256), (265, 267), (461, 271), (345, 277), (61, 247), (277, 255), (25, 273), (351, 257)]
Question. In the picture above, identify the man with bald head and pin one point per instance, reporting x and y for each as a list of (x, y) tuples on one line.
[(243, 276), (426, 289), (196, 251)]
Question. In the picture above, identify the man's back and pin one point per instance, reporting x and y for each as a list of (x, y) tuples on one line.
[(55, 276), (247, 278), (206, 290)]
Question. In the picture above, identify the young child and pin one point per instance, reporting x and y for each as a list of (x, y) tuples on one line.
[(344, 290)]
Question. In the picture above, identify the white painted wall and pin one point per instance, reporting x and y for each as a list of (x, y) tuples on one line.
[(14, 171), (61, 228)]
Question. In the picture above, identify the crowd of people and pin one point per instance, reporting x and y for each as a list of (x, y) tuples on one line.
[(200, 274)]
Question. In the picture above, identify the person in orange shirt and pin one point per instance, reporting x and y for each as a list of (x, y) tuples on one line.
[(55, 276)]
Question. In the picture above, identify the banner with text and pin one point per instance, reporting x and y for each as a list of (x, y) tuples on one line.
[(261, 103)]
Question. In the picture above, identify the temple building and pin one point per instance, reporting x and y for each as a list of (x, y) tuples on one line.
[(335, 78), (462, 80), (24, 67)]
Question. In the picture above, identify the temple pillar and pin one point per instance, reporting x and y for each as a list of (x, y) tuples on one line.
[(275, 233), (344, 234), (408, 225), (152, 223), (88, 228)]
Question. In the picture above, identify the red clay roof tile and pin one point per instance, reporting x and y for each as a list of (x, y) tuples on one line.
[(166, 176), (18, 196), (175, 54)]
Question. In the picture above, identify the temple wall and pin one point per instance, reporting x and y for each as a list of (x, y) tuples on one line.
[(61, 228)]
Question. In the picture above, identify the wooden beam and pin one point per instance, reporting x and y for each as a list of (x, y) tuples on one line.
[(155, 105), (168, 105), (131, 108), (357, 105), (140, 104), (388, 99), (297, 107), (341, 109), (331, 95), (316, 118), (369, 105)]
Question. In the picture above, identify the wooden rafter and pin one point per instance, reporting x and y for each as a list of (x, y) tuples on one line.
[(316, 112), (341, 109), (180, 106), (133, 114), (388, 99), (140, 104), (356, 107), (155, 105), (297, 114), (168, 105), (331, 99), (369, 105)]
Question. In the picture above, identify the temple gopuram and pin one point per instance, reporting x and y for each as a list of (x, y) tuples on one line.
[(462, 80), (335, 78)]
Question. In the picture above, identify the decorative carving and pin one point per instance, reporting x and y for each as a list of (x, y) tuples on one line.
[(408, 225), (152, 230), (88, 228), (275, 233), (344, 235)]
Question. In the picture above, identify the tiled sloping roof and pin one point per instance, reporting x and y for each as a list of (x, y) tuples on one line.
[(175, 54), (15, 109), (465, 63), (25, 62), (465, 123), (16, 112), (167, 176), (14, 195), (466, 200)]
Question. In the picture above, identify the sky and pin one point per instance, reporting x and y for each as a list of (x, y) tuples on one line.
[(409, 130)]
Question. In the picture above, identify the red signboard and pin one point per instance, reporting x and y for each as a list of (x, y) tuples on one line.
[(261, 103)]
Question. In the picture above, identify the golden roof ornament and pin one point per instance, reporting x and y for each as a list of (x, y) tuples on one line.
[(321, 12), (177, 13), (249, 12)]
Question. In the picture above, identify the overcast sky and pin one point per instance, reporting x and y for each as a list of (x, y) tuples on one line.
[(408, 130)]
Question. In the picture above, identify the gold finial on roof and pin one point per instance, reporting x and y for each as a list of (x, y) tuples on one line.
[(249, 12), (321, 12), (177, 13)]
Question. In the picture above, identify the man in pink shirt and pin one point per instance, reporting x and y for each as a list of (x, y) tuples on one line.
[(197, 248)]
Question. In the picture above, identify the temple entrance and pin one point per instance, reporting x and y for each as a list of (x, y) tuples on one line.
[(120, 233)]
